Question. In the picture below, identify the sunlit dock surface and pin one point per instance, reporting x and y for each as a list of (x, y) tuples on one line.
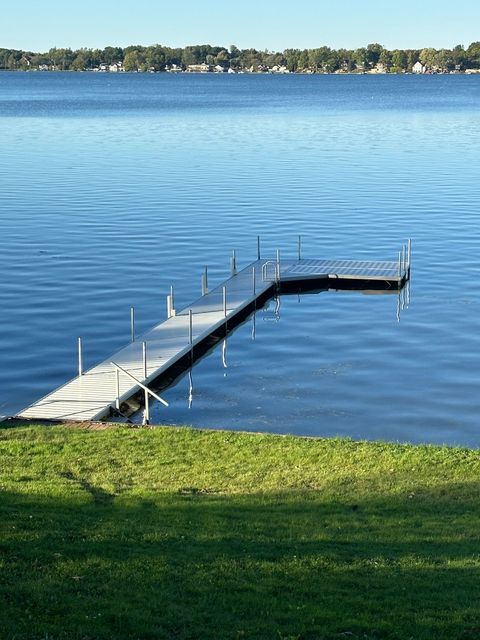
[(99, 392)]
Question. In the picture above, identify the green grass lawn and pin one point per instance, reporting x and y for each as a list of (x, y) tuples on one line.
[(180, 533)]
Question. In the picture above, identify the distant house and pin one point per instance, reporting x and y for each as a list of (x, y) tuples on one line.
[(103, 67), (379, 68), (198, 68), (115, 67), (470, 72), (219, 69), (173, 68), (43, 67), (279, 69), (230, 70), (418, 67)]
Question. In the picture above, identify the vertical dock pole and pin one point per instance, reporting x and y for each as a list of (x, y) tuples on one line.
[(117, 389), (254, 282), (233, 263), (132, 323), (190, 332), (144, 351), (278, 267), (299, 248), (146, 417), (400, 265), (80, 358), (225, 306), (205, 282), (258, 247), (170, 304)]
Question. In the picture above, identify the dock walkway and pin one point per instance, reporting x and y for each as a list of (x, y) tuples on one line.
[(100, 390)]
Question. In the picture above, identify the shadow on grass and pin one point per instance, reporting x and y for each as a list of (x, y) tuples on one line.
[(196, 565)]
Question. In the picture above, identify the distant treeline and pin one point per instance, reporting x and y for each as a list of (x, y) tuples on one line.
[(157, 58)]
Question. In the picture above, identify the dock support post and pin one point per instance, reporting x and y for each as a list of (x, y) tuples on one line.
[(400, 265), (205, 282), (190, 332), (117, 389), (80, 358), (299, 248), (225, 306), (278, 267), (132, 323), (170, 304), (254, 282), (146, 416), (233, 263), (258, 247)]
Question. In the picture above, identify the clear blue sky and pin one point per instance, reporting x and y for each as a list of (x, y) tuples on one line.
[(37, 26)]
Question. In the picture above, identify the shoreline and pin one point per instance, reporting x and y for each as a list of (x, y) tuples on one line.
[(245, 73)]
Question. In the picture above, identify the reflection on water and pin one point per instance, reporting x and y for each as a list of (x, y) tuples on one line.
[(269, 313)]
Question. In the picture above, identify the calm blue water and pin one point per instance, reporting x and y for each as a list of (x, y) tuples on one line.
[(114, 187)]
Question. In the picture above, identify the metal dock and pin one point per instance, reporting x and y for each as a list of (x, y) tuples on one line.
[(99, 392)]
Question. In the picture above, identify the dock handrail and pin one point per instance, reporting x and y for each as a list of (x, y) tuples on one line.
[(265, 270), (148, 391)]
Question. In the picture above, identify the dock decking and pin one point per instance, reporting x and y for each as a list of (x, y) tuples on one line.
[(100, 390)]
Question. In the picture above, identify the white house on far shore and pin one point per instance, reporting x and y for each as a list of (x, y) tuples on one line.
[(115, 67), (418, 67)]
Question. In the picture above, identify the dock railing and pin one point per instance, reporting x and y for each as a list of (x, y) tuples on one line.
[(148, 392), (265, 269)]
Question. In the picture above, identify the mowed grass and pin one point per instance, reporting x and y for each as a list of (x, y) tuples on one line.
[(181, 533)]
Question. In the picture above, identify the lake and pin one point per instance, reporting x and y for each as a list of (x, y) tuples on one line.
[(114, 187)]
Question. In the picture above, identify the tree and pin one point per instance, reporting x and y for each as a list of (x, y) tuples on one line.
[(473, 54), (303, 63), (291, 59), (413, 56), (459, 55), (134, 60), (360, 58), (320, 59), (385, 59), (234, 51), (399, 60), (61, 58), (80, 62), (222, 58), (250, 58), (428, 57), (112, 54), (154, 58), (373, 53), (443, 60)]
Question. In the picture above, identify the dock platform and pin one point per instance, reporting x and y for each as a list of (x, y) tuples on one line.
[(99, 392)]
